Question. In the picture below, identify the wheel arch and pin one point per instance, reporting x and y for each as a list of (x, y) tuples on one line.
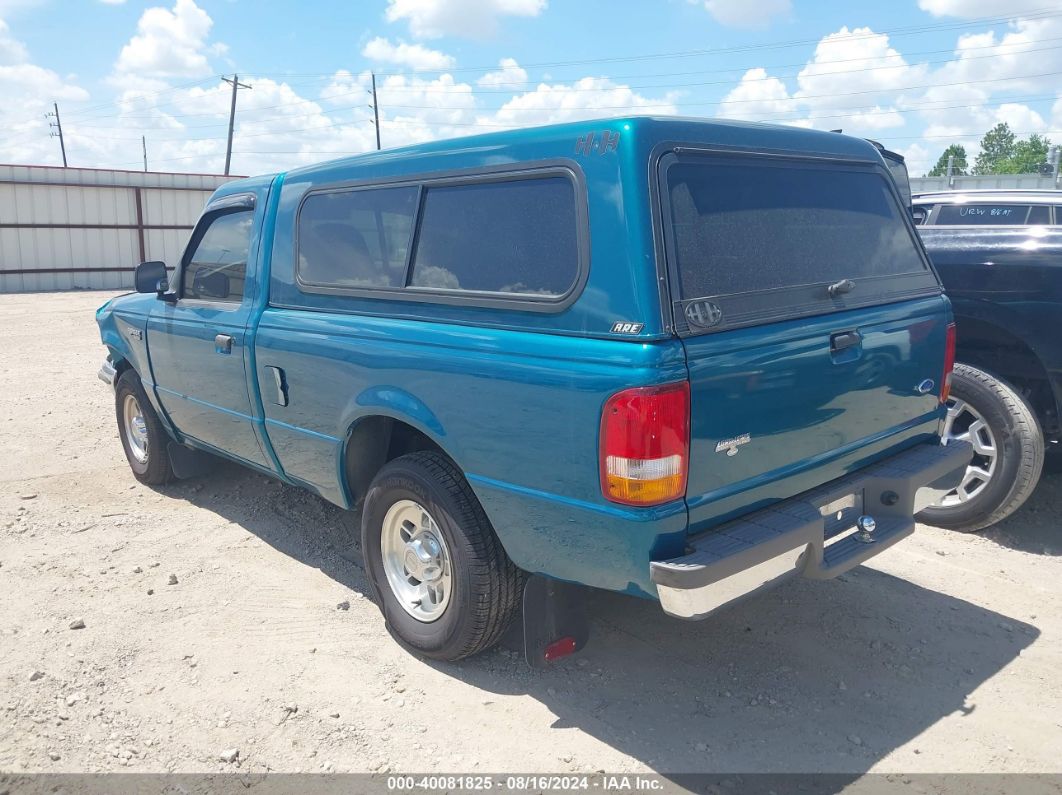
[(373, 439)]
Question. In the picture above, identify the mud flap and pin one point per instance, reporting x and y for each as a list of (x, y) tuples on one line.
[(187, 462), (554, 620)]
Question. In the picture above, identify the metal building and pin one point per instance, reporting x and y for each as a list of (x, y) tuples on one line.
[(69, 228)]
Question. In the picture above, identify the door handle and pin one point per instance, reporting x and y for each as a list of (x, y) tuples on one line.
[(844, 339), (281, 384), (223, 344)]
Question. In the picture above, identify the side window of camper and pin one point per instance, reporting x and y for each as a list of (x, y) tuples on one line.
[(517, 237), (356, 238)]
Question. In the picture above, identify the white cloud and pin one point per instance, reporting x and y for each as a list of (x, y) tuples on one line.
[(509, 76), (968, 9), (28, 91), (746, 14), (854, 80), (1008, 62), (169, 43), (918, 159), (757, 96), (11, 50), (472, 18), (415, 56), (588, 98)]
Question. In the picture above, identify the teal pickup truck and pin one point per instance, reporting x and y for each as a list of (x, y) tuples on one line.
[(676, 359)]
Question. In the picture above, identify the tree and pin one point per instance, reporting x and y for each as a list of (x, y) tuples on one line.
[(997, 146), (958, 169), (1028, 156)]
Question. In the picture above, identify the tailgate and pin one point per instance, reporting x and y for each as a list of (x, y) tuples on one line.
[(771, 403)]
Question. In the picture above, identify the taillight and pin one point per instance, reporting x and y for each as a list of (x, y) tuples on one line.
[(949, 363), (645, 444)]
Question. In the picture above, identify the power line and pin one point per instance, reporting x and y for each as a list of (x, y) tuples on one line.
[(1041, 14), (662, 104), (733, 70), (1047, 12)]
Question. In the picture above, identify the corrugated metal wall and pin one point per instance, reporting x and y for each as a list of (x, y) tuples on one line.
[(1011, 181), (68, 228)]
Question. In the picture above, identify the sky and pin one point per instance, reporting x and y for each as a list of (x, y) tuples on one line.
[(916, 75)]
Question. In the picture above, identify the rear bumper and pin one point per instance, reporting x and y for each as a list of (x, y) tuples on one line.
[(812, 534)]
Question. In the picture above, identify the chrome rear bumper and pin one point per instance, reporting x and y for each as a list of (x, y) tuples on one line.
[(813, 534)]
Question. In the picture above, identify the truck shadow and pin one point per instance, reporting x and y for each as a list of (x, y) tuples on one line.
[(816, 677), (1035, 527)]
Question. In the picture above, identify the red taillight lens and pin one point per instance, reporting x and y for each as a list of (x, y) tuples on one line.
[(645, 444), (949, 363)]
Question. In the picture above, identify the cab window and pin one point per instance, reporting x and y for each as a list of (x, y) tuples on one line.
[(216, 268)]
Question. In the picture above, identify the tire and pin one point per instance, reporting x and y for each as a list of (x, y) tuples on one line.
[(1018, 443), (483, 591), (144, 450)]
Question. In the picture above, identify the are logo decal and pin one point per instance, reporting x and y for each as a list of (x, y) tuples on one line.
[(623, 327)]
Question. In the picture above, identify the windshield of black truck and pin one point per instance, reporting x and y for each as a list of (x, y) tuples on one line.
[(745, 225)]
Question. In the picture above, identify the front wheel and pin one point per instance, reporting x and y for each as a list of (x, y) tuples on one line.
[(445, 585), (143, 437), (1008, 452)]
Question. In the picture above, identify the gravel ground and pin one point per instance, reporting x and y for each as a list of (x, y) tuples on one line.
[(225, 623)]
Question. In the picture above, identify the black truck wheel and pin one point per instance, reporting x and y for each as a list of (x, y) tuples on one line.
[(1008, 452), (143, 437), (445, 585)]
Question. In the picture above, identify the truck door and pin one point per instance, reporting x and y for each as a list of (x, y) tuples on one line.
[(196, 344)]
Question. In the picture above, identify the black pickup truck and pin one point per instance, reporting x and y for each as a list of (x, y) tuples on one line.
[(999, 254)]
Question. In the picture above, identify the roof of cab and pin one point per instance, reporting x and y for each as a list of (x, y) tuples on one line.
[(650, 130), (243, 185)]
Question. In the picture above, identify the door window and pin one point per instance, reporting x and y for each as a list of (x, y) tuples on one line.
[(217, 266)]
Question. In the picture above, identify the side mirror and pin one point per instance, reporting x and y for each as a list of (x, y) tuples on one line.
[(150, 277)]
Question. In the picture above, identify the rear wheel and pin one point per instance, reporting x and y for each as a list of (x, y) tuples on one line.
[(445, 585), (143, 437), (1008, 452)]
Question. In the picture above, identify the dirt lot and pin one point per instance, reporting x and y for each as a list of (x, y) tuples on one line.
[(211, 626)]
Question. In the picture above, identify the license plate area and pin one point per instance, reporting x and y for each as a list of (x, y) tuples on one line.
[(839, 515)]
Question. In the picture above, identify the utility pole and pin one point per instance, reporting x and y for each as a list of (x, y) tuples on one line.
[(951, 166), (143, 142), (57, 127), (236, 86), (375, 111), (1053, 156)]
